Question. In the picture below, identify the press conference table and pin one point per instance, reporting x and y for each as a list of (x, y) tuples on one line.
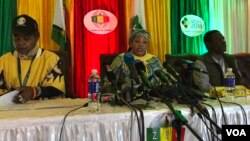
[(43, 120)]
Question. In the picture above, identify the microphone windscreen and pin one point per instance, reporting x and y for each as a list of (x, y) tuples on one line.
[(141, 69), (158, 73), (110, 74), (171, 69), (128, 58), (129, 61), (187, 62), (162, 77), (140, 66)]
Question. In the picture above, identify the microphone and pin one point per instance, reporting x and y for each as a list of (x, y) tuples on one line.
[(140, 67), (110, 74), (171, 69), (125, 92), (124, 89), (112, 78), (163, 77), (199, 70), (120, 79), (187, 64), (129, 60), (171, 77), (190, 65)]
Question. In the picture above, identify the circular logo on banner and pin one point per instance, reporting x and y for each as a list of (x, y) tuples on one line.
[(100, 21), (192, 25)]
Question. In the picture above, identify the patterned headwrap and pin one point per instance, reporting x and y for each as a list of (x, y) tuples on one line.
[(138, 30)]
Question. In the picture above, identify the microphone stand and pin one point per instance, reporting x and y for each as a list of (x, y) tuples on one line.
[(132, 90), (121, 100), (179, 117), (145, 96), (191, 104), (135, 108), (140, 124), (146, 85), (182, 92), (180, 89), (117, 99)]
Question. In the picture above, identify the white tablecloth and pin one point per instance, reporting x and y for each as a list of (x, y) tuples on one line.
[(42, 121)]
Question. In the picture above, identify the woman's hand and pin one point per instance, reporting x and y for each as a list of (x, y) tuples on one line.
[(25, 94)]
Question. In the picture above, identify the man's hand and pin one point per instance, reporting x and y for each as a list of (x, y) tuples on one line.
[(25, 94)]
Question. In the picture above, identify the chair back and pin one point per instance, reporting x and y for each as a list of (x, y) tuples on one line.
[(243, 61), (65, 66), (105, 59)]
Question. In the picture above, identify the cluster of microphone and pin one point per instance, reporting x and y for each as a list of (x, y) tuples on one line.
[(139, 79), (138, 72), (168, 80)]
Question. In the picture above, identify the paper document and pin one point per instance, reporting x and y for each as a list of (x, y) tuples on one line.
[(6, 99), (6, 103)]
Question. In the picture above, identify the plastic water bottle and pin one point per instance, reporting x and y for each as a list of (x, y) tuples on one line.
[(94, 82), (230, 84)]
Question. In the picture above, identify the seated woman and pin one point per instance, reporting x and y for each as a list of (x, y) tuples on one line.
[(135, 69)]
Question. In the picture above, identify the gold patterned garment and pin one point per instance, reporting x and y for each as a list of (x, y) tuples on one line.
[(44, 71), (150, 61)]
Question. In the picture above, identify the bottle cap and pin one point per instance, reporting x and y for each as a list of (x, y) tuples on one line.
[(229, 69), (94, 71)]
